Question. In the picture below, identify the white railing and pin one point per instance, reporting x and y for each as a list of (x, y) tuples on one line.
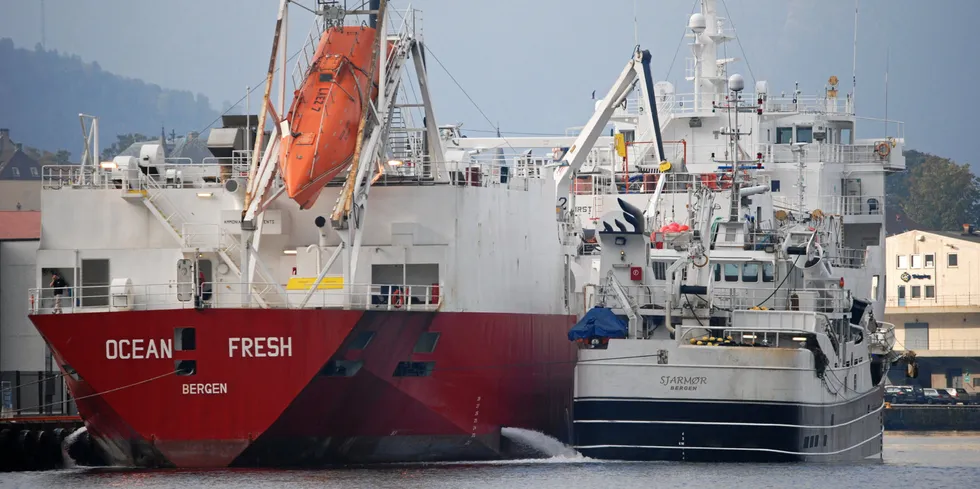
[(848, 258), (852, 154), (212, 173), (207, 236), (728, 298), (786, 299), (852, 205), (646, 183), (174, 295)]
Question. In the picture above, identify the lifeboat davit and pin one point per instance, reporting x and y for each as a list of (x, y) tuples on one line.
[(326, 112)]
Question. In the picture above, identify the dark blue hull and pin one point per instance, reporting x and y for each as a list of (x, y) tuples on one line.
[(728, 431)]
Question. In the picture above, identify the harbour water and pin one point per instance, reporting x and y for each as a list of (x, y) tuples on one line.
[(935, 460)]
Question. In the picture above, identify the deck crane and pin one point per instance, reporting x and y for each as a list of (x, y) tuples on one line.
[(636, 70)]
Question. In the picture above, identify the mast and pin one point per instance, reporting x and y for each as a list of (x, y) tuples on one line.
[(854, 60)]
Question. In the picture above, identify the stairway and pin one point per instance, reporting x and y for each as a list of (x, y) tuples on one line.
[(227, 246), (393, 74)]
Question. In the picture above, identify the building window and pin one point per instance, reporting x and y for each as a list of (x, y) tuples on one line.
[(33, 171), (901, 291), (874, 287), (784, 135), (16, 172), (804, 134), (930, 291), (916, 292), (916, 261), (952, 261), (774, 185), (901, 262), (930, 261)]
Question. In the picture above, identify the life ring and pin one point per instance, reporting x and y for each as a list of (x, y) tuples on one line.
[(883, 149), (396, 298)]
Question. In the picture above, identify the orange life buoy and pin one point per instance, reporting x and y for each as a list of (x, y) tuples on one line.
[(396, 298), (883, 149)]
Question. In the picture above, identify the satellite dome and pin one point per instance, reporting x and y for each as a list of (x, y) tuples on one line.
[(697, 23), (736, 83)]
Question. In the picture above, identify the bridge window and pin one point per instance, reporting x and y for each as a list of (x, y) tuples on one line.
[(717, 273), (804, 134), (731, 272), (414, 369), (750, 272), (784, 135), (768, 272)]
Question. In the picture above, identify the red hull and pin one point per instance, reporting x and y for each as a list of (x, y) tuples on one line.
[(489, 371)]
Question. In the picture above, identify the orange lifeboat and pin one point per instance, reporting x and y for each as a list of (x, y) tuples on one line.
[(326, 112)]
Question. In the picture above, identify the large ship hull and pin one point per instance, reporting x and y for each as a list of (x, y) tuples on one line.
[(333, 387)]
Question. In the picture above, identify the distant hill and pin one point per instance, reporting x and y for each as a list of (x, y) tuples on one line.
[(42, 93)]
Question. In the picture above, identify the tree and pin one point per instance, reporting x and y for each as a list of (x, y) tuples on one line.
[(123, 141), (936, 192)]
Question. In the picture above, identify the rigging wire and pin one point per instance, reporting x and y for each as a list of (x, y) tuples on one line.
[(102, 393), (453, 78), (261, 83), (739, 41), (678, 49)]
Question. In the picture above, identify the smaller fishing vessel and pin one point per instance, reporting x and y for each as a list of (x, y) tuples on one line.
[(737, 338)]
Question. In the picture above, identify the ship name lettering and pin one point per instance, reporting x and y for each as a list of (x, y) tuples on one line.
[(260, 347), (212, 388), (678, 380), (139, 349)]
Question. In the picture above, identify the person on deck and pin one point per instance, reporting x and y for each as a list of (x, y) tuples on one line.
[(60, 286)]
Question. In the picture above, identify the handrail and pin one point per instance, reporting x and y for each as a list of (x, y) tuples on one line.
[(222, 294)]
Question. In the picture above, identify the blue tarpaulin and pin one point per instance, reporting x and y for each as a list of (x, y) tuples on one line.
[(600, 322)]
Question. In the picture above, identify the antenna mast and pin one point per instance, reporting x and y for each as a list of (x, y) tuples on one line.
[(854, 65), (636, 31), (44, 44), (887, 56)]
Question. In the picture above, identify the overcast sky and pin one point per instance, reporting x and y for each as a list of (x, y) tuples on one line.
[(531, 65)]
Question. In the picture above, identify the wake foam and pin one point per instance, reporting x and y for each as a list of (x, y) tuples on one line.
[(547, 447)]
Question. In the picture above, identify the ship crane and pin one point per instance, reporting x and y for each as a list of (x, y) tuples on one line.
[(387, 66), (637, 71)]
